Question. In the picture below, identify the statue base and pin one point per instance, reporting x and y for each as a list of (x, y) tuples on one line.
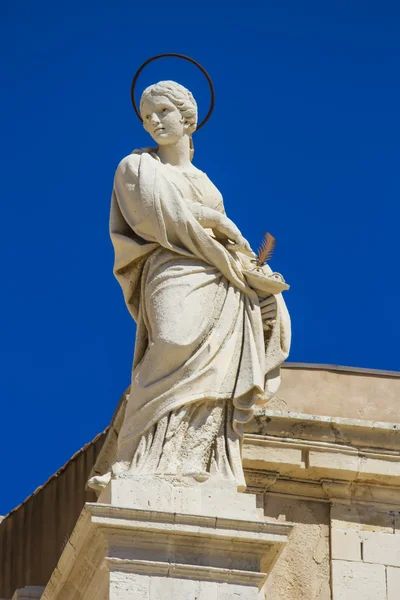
[(151, 538), (213, 497)]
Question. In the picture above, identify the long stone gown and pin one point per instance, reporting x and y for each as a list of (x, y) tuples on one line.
[(201, 361)]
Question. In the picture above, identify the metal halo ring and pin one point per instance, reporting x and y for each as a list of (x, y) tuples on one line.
[(198, 65)]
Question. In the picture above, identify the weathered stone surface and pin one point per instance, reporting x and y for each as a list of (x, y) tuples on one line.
[(325, 391), (272, 420), (393, 583), (143, 587), (274, 454), (338, 462), (362, 518), (235, 592), (387, 466), (302, 571), (358, 581), (210, 498), (397, 523), (130, 585), (341, 472), (381, 548), (346, 544)]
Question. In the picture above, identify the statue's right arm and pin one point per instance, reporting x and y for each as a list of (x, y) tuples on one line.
[(207, 217), (224, 229)]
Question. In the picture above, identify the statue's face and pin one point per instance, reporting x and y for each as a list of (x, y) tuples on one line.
[(162, 120)]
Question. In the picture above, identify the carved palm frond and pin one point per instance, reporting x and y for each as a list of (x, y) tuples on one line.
[(266, 249)]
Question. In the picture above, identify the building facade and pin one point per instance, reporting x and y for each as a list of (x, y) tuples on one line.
[(322, 459)]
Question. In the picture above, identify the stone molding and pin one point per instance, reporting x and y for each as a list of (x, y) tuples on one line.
[(339, 368), (108, 540), (338, 430), (330, 460), (193, 572)]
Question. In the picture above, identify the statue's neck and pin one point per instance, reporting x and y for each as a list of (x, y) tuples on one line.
[(177, 154)]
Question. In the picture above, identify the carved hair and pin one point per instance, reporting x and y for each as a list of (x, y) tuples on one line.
[(180, 97)]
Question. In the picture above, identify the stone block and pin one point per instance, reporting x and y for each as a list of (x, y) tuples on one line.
[(155, 494), (375, 493), (213, 498), (303, 569), (134, 586), (205, 590), (124, 586), (375, 466), (336, 462), (381, 548), (358, 581), (361, 518), (275, 457), (235, 592), (393, 583), (346, 544), (226, 502), (162, 587)]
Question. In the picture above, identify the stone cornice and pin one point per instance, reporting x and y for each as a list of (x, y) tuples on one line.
[(197, 526), (340, 369), (323, 458), (339, 431)]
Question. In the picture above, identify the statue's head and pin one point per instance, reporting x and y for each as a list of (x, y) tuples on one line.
[(169, 112)]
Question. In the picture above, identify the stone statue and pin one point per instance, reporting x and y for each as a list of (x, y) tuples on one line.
[(208, 345)]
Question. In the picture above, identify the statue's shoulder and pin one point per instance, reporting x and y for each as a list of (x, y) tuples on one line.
[(130, 163)]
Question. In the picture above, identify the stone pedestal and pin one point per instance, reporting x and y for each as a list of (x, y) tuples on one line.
[(157, 538)]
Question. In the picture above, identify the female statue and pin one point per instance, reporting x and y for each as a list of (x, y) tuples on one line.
[(208, 348)]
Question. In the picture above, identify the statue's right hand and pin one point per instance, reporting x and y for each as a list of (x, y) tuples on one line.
[(225, 230)]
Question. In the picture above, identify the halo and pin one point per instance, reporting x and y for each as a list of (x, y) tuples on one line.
[(198, 65)]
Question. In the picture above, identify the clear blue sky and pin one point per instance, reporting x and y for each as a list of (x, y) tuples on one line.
[(304, 142)]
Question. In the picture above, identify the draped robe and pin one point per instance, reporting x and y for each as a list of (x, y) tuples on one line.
[(200, 354)]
